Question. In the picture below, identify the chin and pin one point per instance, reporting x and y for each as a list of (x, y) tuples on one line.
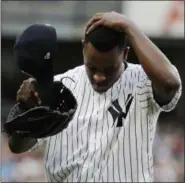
[(100, 89)]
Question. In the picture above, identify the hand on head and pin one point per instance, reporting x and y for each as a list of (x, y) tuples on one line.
[(111, 19)]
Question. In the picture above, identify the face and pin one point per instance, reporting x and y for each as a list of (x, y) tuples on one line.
[(103, 68)]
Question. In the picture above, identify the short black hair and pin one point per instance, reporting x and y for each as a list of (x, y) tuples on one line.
[(105, 39)]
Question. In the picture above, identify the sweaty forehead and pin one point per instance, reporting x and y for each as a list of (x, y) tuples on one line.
[(96, 58)]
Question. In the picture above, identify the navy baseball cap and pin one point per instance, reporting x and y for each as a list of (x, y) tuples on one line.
[(35, 49)]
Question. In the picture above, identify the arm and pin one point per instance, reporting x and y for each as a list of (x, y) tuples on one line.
[(161, 72)]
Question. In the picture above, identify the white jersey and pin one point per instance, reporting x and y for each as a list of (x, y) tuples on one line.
[(111, 135)]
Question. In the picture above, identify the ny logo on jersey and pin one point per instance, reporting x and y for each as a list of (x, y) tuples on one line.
[(116, 110)]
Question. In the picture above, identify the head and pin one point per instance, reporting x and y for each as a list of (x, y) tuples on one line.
[(104, 51)]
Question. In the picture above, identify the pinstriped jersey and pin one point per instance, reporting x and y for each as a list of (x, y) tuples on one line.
[(111, 135)]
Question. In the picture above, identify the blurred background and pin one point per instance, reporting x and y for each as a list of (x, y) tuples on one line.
[(162, 21)]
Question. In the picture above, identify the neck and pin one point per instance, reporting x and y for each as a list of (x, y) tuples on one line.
[(122, 69)]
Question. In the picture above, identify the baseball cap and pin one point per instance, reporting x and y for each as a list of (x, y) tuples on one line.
[(35, 49)]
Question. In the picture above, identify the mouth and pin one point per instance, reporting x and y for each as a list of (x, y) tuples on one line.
[(99, 87)]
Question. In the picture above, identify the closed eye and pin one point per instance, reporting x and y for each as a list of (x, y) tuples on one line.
[(91, 67)]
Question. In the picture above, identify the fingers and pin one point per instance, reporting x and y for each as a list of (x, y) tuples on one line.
[(28, 84), (31, 83), (94, 19), (19, 96), (93, 26), (27, 102), (32, 80), (100, 13), (30, 100), (36, 95), (91, 21), (27, 94)]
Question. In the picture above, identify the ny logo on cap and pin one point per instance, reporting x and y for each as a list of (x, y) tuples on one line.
[(47, 56)]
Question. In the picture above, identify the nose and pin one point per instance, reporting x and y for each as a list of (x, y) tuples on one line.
[(99, 77)]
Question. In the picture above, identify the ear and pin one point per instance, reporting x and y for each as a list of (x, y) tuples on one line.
[(83, 44), (125, 53), (83, 41)]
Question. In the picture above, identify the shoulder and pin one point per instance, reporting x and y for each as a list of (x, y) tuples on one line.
[(73, 73), (134, 67), (133, 72)]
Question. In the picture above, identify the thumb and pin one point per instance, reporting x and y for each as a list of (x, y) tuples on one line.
[(36, 94)]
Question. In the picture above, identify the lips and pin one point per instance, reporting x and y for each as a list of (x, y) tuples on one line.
[(99, 87), (99, 84)]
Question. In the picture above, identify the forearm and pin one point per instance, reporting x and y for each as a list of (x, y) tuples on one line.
[(155, 63), (18, 144)]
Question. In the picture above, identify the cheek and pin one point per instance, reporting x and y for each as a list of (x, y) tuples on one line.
[(89, 72), (113, 74), (111, 78)]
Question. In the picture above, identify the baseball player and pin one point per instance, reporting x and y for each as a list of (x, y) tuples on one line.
[(111, 135)]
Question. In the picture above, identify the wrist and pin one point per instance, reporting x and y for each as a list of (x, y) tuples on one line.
[(125, 24)]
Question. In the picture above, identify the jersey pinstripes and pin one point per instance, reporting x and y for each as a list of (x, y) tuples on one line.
[(97, 122), (92, 148), (90, 172), (116, 165), (73, 135), (77, 128), (101, 140), (136, 143), (87, 137), (74, 132)]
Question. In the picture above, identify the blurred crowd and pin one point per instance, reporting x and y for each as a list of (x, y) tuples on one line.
[(25, 167), (168, 159), (168, 152)]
